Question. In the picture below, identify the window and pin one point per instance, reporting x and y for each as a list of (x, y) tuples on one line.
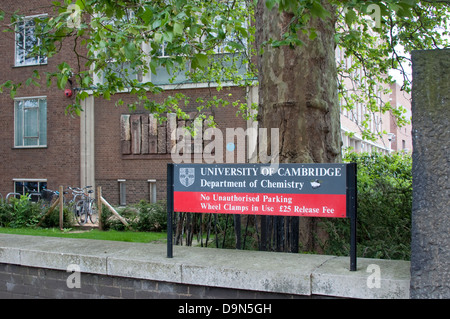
[(114, 70), (26, 42), (152, 190), (30, 122), (30, 186), (122, 192), (177, 73), (123, 70)]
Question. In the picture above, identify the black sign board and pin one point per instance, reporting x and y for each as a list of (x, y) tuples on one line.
[(314, 190)]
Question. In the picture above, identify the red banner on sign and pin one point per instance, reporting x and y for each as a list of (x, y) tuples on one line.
[(313, 205)]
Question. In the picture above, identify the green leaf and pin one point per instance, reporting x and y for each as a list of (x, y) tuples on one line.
[(106, 94), (318, 11), (36, 74), (12, 93), (83, 95), (130, 50), (199, 61), (87, 81), (80, 3), (312, 34), (156, 24), (178, 29), (350, 17), (153, 65), (270, 4), (61, 81), (168, 36), (147, 15), (157, 37), (236, 45)]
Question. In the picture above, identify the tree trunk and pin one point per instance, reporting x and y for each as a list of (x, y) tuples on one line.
[(298, 95)]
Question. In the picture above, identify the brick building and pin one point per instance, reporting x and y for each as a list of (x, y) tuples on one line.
[(43, 147), (133, 168), (389, 136), (39, 144), (124, 152)]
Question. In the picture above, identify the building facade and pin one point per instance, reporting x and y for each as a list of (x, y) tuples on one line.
[(41, 146), (389, 136), (39, 143), (125, 152)]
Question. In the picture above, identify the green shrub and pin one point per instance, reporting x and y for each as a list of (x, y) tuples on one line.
[(151, 217), (6, 215), (104, 218), (143, 216), (52, 220), (19, 213), (384, 209), (111, 222)]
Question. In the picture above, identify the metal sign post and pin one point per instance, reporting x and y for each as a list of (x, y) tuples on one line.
[(352, 211), (170, 169)]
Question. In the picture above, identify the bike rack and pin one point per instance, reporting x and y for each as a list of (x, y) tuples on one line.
[(11, 194)]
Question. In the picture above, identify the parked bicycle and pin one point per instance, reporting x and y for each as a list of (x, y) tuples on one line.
[(79, 200), (83, 205), (47, 197)]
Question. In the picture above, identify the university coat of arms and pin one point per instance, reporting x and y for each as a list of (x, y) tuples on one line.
[(187, 176)]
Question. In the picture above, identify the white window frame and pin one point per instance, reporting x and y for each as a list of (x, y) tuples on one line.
[(39, 60), (16, 115), (122, 192), (154, 77), (39, 181), (152, 190)]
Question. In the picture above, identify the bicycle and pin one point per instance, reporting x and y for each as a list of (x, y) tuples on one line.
[(47, 197), (77, 210), (84, 205)]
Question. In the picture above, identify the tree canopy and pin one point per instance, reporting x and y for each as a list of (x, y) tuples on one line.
[(121, 45)]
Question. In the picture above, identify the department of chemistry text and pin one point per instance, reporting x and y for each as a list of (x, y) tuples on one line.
[(265, 183)]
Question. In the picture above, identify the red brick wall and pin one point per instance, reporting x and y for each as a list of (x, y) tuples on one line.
[(111, 165)]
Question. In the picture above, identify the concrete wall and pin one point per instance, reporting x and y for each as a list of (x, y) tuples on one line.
[(20, 282), (37, 267), (430, 253)]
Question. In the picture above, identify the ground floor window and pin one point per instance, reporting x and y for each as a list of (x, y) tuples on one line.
[(122, 192), (152, 190), (30, 186)]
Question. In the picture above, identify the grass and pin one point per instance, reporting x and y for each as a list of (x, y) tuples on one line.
[(127, 236)]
